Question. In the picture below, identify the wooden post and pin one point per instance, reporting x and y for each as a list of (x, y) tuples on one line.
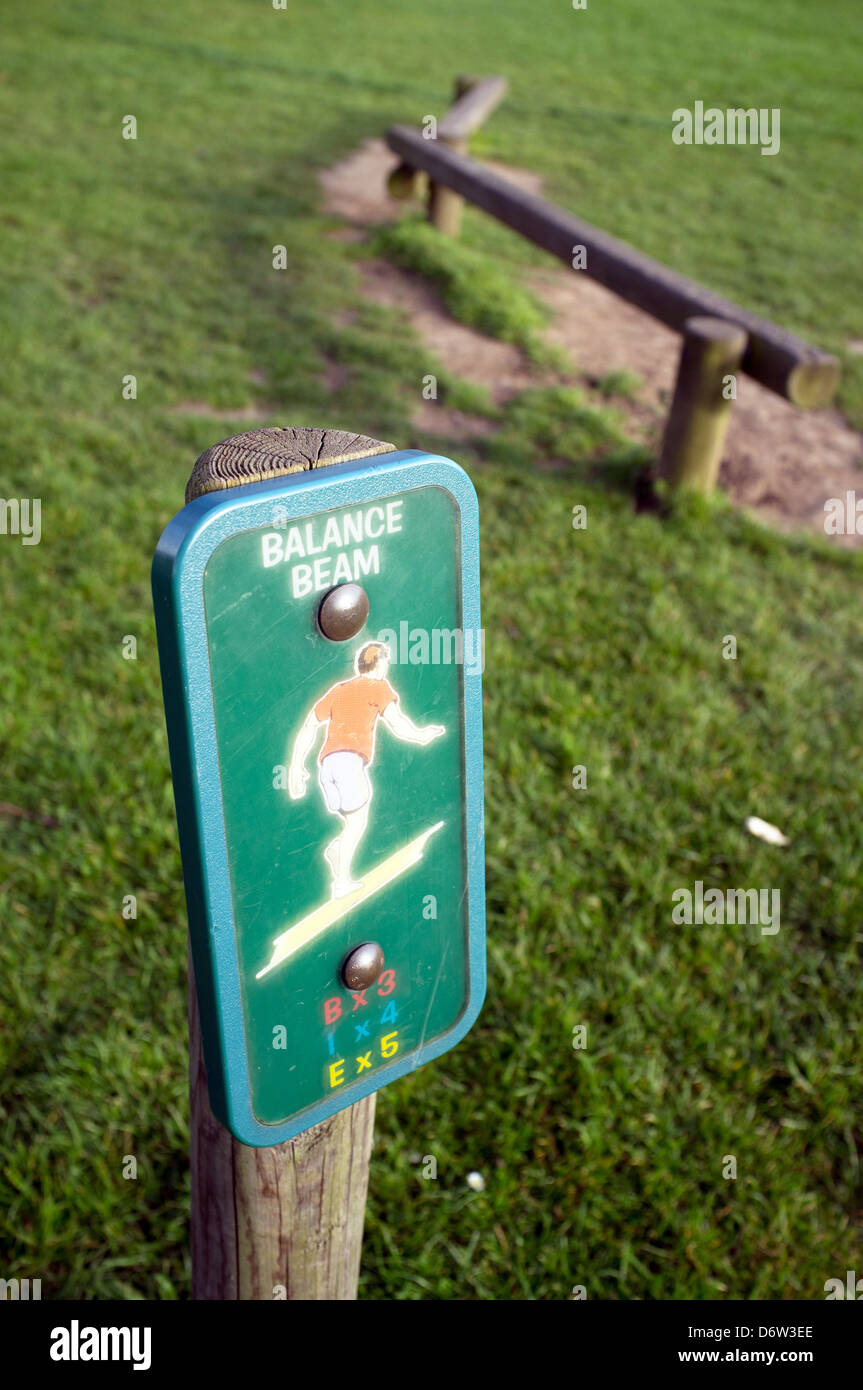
[(712, 352), (285, 1221), (475, 98), (444, 206)]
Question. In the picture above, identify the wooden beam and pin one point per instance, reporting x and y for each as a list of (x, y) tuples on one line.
[(472, 108), (787, 365)]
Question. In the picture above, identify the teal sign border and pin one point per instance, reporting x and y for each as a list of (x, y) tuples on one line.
[(178, 596)]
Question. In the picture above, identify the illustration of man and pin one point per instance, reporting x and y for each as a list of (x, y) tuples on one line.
[(350, 712)]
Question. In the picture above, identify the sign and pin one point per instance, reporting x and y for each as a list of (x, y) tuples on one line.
[(321, 652)]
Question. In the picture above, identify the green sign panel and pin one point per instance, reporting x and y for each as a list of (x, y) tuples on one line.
[(334, 783)]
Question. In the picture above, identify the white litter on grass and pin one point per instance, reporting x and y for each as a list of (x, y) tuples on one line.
[(765, 831), (476, 1181)]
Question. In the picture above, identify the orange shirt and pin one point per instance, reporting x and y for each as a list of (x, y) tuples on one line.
[(353, 708)]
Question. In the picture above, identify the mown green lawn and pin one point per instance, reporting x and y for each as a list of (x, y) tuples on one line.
[(603, 1167)]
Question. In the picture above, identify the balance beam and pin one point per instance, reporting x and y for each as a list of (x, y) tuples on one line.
[(785, 364)]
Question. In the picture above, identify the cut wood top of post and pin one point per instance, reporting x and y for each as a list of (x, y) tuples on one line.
[(712, 330), (468, 113), (257, 455)]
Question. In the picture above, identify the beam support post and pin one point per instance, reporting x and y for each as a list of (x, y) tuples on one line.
[(710, 361)]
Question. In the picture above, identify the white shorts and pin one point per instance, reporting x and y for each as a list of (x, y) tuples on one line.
[(344, 782)]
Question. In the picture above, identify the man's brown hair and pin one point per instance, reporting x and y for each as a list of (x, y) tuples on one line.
[(369, 656)]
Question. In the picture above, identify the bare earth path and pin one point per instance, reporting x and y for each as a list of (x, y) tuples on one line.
[(780, 463)]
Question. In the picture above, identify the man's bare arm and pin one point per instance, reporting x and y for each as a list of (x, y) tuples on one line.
[(398, 723), (303, 744)]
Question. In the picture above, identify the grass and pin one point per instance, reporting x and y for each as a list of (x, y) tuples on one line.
[(603, 1167), (472, 287), (619, 383), (554, 424)]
